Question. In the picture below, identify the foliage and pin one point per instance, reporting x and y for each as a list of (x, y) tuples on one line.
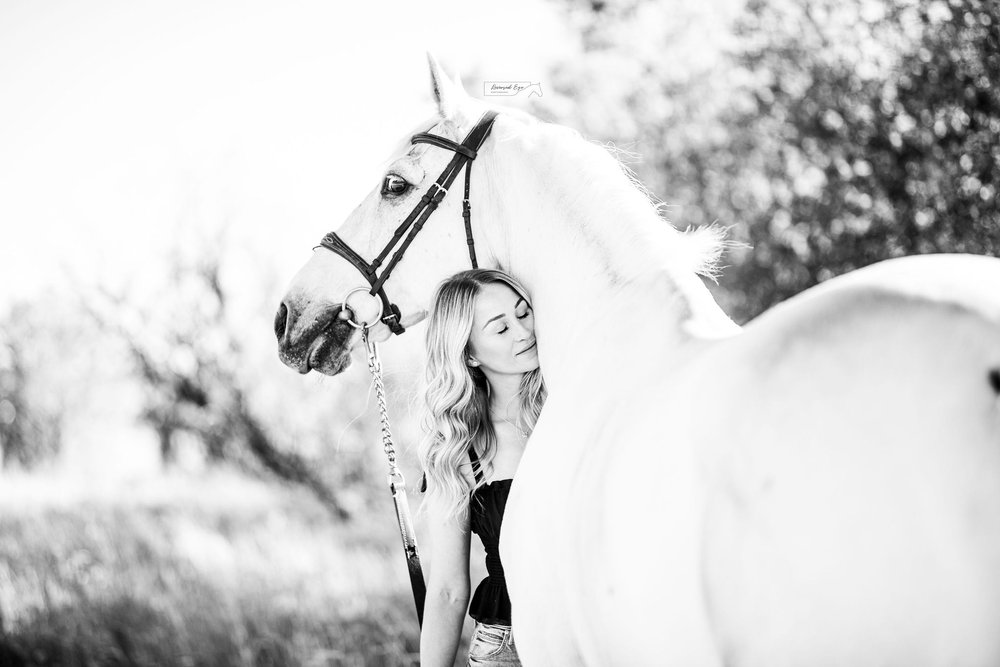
[(883, 159), (836, 133)]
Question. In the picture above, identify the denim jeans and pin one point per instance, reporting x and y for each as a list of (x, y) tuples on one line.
[(492, 645)]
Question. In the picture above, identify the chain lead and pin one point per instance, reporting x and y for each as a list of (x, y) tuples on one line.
[(397, 485), (375, 366)]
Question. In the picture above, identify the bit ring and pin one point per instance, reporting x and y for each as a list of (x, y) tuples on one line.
[(345, 306)]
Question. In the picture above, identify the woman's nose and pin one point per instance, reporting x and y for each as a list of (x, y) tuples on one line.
[(522, 332)]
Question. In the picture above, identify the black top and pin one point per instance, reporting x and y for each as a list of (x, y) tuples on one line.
[(490, 603)]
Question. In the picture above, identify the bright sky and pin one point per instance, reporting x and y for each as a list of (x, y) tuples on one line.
[(123, 124)]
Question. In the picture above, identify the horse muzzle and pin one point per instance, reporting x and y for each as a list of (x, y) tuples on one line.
[(314, 339)]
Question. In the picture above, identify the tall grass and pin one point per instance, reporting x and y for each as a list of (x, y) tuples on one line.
[(214, 571)]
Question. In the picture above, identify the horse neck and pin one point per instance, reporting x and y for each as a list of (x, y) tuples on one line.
[(604, 271)]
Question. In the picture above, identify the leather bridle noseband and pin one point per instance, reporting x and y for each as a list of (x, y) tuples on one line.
[(465, 153)]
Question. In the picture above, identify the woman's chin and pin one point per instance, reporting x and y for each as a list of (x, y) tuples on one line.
[(531, 364)]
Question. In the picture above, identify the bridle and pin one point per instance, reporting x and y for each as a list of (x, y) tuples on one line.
[(465, 153)]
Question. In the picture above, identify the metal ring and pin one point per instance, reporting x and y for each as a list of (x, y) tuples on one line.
[(344, 306)]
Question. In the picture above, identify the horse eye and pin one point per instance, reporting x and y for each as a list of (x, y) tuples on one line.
[(394, 185)]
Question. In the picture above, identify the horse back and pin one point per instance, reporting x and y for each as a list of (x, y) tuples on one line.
[(849, 446)]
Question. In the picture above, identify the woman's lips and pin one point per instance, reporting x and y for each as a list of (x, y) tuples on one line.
[(527, 348)]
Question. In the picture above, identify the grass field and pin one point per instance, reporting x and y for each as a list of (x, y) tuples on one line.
[(213, 570)]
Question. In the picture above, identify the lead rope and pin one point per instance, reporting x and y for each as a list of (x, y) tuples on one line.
[(397, 484)]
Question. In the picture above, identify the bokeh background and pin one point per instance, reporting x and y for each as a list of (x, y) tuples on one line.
[(170, 494)]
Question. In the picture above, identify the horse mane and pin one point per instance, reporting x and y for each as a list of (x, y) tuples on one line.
[(696, 249), (611, 190), (706, 243)]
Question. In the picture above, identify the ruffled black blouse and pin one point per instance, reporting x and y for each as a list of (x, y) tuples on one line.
[(490, 603)]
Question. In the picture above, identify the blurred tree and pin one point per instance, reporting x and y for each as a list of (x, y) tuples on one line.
[(188, 356), (836, 134), (52, 366), (30, 425)]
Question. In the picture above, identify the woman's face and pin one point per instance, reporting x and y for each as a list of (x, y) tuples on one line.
[(503, 332)]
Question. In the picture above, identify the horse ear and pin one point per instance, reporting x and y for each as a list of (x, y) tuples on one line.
[(446, 94)]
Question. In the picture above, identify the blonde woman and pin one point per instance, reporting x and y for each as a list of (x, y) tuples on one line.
[(484, 394)]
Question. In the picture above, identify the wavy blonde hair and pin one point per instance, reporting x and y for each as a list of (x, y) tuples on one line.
[(456, 407)]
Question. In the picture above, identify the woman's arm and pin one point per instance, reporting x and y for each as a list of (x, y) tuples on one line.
[(447, 588)]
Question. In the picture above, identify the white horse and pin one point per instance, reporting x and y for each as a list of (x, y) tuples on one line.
[(820, 488)]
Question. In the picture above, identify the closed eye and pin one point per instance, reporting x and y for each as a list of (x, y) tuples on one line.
[(520, 317)]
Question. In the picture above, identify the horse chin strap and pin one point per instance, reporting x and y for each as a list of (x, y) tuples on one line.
[(465, 153)]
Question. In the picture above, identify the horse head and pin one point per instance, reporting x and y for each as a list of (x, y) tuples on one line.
[(312, 324)]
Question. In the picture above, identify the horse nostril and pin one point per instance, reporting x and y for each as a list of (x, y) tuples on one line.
[(281, 321)]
